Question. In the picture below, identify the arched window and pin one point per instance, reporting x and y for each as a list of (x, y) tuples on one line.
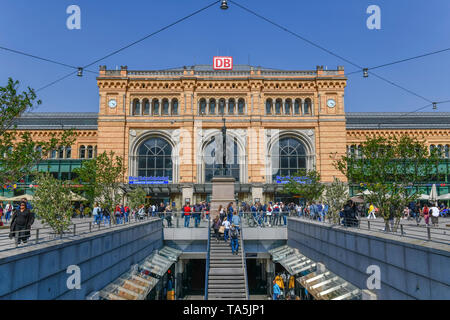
[(174, 106), (231, 105), (212, 164), (136, 107), (446, 151), (269, 106), (155, 158), (441, 150), (278, 104), (82, 154), (287, 106), (307, 107), (165, 107), (432, 147), (222, 106), (212, 106), (90, 152), (241, 106), (146, 107), (297, 105), (39, 150), (155, 103), (61, 152), (202, 106), (68, 152), (53, 154), (288, 158)]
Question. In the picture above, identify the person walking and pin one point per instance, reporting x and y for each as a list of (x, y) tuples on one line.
[(234, 235), (187, 215), (236, 221), (276, 292), (168, 215), (216, 226), (426, 215), (8, 209), (226, 232), (21, 223), (434, 215), (197, 214), (222, 213), (96, 213), (371, 212)]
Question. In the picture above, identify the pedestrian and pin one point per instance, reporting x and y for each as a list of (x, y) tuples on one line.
[(426, 215), (434, 215), (216, 227), (197, 214), (21, 224), (276, 291), (8, 209), (226, 232), (187, 215), (371, 212), (96, 213), (236, 221), (168, 215), (234, 235), (222, 213), (106, 215)]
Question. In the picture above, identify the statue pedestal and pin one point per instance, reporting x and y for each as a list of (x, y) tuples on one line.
[(222, 194)]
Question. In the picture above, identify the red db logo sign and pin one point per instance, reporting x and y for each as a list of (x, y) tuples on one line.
[(223, 63)]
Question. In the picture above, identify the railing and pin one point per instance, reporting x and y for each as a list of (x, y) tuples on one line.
[(208, 247), (402, 229), (46, 234), (244, 263), (262, 220)]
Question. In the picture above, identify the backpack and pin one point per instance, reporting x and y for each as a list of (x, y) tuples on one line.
[(233, 233)]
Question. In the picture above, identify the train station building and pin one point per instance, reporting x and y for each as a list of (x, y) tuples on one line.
[(167, 124)]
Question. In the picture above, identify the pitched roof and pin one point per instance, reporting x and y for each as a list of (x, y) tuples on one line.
[(57, 120), (397, 120)]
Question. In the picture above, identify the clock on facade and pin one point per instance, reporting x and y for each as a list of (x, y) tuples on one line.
[(112, 103), (331, 103)]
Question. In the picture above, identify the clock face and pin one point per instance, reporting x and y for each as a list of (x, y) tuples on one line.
[(112, 103), (331, 103)]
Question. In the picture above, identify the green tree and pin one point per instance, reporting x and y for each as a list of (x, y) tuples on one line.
[(306, 184), (102, 177), (335, 195), (389, 167), (19, 153), (52, 202), (136, 197)]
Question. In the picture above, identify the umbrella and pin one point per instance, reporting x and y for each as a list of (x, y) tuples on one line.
[(29, 197), (76, 197), (424, 197), (444, 197), (433, 194), (365, 193), (4, 198)]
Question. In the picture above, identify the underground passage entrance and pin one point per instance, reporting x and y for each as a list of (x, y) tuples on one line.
[(256, 274), (194, 278)]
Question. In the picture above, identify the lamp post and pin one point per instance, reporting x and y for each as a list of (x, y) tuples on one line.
[(224, 147)]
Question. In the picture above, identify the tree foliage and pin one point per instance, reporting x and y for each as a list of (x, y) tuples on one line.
[(306, 184), (335, 195), (19, 153), (102, 177), (136, 197), (52, 201), (388, 167)]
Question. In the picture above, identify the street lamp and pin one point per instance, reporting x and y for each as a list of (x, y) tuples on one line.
[(224, 5), (434, 105), (365, 72), (80, 72)]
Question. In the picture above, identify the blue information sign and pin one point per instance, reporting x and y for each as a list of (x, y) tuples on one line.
[(148, 180)]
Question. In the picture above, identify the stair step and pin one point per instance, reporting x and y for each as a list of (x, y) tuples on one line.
[(225, 265), (225, 295), (226, 271), (226, 290), (214, 285), (228, 278)]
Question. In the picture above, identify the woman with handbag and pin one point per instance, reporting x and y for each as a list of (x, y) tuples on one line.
[(226, 229), (216, 226)]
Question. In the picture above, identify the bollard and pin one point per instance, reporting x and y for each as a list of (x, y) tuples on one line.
[(74, 229), (37, 236), (90, 226), (368, 224), (429, 232), (401, 229)]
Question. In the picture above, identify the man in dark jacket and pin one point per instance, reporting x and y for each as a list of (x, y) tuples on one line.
[(21, 224)]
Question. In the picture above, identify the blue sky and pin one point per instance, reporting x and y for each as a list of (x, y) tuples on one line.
[(408, 28)]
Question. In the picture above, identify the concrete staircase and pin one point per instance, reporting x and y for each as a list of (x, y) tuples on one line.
[(227, 278)]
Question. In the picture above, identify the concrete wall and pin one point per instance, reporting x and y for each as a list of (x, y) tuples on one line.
[(410, 269), (39, 272)]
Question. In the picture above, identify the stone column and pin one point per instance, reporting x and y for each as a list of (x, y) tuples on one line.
[(187, 192), (257, 192), (270, 275), (178, 285)]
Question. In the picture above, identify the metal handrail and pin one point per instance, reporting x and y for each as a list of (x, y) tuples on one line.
[(421, 232), (46, 234), (244, 263), (208, 248)]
